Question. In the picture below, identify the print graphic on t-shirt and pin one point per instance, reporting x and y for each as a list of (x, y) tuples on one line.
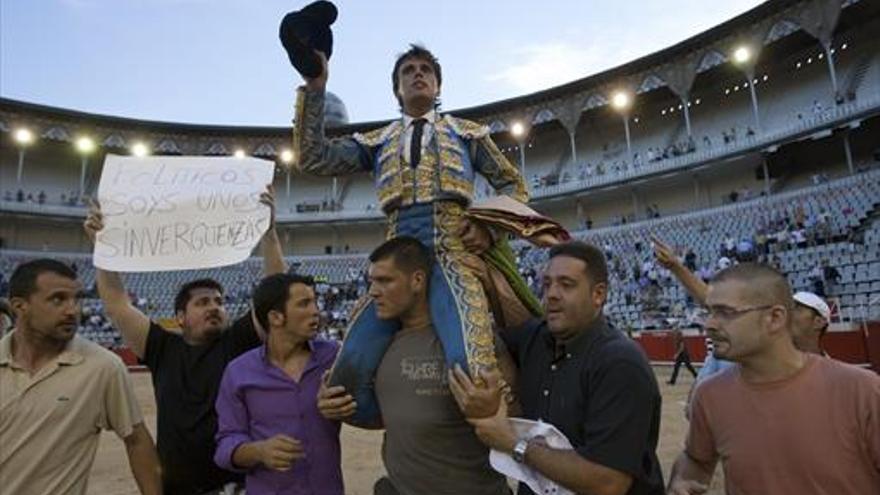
[(427, 373)]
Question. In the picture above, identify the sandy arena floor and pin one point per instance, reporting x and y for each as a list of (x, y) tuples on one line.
[(361, 462)]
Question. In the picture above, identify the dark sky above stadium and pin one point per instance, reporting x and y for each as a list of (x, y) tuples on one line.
[(220, 61)]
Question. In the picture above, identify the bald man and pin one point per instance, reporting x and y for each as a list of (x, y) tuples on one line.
[(782, 420)]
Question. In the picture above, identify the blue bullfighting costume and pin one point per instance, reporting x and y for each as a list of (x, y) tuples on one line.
[(426, 200)]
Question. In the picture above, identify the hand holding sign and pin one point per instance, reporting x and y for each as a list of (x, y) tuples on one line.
[(179, 213), (94, 221)]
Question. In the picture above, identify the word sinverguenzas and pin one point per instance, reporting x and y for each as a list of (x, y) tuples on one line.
[(205, 209), (181, 237)]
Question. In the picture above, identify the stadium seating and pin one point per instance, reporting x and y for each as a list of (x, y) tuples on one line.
[(852, 247)]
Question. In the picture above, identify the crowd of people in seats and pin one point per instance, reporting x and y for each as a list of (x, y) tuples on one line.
[(40, 197)]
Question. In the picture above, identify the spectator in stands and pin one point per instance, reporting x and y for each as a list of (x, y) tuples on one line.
[(744, 250), (768, 441), (817, 278), (60, 390), (604, 399), (428, 446), (187, 367), (19, 196), (830, 274), (705, 273), (761, 242), (690, 260), (267, 418), (729, 247), (7, 196), (41, 198), (608, 248), (799, 238)]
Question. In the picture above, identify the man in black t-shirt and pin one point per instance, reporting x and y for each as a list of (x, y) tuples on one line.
[(584, 377), (187, 367)]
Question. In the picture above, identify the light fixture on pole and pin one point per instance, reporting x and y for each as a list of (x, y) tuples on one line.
[(518, 131), (24, 137), (85, 146), (287, 159), (742, 56), (622, 102)]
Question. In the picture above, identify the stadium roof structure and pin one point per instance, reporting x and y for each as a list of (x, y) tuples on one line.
[(676, 68)]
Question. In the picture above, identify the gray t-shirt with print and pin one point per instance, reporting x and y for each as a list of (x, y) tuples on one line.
[(429, 447)]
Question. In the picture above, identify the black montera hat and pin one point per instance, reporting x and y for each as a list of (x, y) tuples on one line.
[(304, 31)]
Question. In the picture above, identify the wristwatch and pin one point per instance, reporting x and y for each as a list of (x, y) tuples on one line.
[(519, 450)]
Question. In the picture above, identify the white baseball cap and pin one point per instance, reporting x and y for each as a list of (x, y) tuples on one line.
[(815, 303)]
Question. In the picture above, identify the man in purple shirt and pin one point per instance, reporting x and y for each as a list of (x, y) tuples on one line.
[(268, 421)]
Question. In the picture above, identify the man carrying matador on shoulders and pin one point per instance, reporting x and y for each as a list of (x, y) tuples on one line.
[(424, 166)]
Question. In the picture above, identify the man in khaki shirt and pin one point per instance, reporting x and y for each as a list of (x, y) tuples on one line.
[(58, 391)]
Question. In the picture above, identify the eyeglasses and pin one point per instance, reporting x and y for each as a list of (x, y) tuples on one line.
[(728, 314)]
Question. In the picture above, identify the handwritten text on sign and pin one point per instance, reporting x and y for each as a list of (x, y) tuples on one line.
[(181, 212)]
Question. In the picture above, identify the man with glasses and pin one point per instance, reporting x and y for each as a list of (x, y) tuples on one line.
[(782, 420)]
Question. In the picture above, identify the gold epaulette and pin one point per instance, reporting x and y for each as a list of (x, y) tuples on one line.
[(467, 129), (376, 136)]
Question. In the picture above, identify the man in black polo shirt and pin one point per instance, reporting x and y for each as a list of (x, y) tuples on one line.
[(584, 377), (187, 367)]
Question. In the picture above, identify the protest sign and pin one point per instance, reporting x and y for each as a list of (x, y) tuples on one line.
[(180, 212)]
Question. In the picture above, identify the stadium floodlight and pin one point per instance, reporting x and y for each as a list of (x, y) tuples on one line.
[(518, 129), (24, 136), (620, 100), (239, 153), (85, 145), (286, 156), (139, 149), (742, 55)]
